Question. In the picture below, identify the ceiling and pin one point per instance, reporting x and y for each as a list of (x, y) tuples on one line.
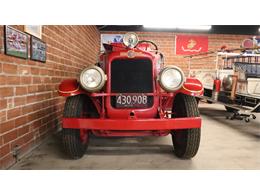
[(216, 29)]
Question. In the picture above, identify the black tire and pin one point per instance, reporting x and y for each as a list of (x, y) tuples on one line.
[(73, 145), (186, 142)]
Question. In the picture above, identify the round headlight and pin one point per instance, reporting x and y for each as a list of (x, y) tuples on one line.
[(92, 78), (171, 78), (130, 39)]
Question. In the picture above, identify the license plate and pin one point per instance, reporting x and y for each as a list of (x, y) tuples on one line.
[(131, 101)]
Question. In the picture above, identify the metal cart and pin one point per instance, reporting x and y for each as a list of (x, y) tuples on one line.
[(234, 82)]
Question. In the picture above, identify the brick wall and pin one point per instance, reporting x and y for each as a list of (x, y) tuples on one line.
[(166, 44), (30, 107)]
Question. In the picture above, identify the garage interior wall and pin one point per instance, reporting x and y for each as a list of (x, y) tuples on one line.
[(30, 108), (166, 44)]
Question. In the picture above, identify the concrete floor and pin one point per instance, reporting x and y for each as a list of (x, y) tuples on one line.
[(225, 144)]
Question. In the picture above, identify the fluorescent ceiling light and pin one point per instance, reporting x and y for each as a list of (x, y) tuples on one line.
[(258, 29), (184, 27), (205, 27), (160, 26)]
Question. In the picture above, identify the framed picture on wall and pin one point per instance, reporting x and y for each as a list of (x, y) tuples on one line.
[(38, 49), (35, 30), (15, 42)]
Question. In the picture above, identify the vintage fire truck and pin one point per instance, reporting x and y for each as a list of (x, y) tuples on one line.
[(234, 82), (129, 92)]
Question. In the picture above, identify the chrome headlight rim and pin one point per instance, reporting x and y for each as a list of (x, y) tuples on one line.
[(126, 39), (167, 88), (101, 84)]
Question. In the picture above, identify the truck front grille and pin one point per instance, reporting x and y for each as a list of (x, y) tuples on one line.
[(132, 76)]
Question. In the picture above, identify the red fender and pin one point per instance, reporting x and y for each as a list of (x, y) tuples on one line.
[(70, 87), (193, 87)]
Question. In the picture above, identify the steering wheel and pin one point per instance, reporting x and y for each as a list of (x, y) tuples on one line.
[(151, 42)]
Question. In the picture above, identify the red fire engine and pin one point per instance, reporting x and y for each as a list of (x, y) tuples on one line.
[(129, 92)]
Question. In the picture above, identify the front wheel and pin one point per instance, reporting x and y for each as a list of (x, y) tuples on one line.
[(75, 146), (75, 141), (185, 142)]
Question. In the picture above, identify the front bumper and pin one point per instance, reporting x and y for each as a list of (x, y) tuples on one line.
[(132, 124)]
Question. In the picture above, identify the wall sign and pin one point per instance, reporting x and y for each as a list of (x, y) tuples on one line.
[(35, 30), (190, 44), (38, 49), (110, 38), (16, 42)]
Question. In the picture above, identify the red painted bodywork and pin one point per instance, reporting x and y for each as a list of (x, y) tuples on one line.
[(155, 120), (132, 124), (69, 87)]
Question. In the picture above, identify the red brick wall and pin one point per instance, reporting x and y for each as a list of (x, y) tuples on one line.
[(30, 107), (166, 44)]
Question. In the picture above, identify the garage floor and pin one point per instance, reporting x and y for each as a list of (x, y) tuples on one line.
[(225, 144)]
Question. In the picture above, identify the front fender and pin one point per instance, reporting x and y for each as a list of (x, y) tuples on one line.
[(193, 87), (70, 87)]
